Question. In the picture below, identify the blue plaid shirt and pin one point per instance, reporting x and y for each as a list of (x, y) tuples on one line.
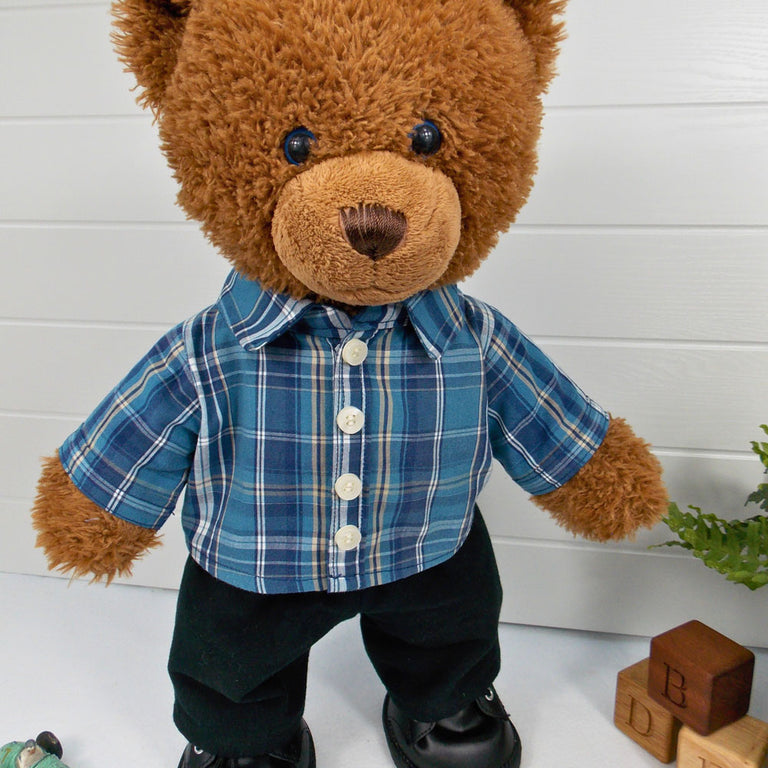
[(323, 451)]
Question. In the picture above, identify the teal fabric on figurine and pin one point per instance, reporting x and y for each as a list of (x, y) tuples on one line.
[(43, 752)]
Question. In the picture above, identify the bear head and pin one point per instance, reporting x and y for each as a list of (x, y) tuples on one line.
[(356, 151)]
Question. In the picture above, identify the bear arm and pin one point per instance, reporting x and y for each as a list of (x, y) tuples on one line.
[(616, 492), (78, 536)]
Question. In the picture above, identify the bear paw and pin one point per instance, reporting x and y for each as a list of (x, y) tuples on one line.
[(618, 491), (78, 536)]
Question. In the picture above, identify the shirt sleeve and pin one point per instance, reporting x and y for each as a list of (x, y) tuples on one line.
[(542, 427), (132, 455)]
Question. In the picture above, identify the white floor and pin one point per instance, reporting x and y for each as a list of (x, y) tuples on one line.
[(89, 664)]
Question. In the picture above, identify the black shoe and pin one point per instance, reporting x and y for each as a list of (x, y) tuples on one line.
[(298, 753), (479, 736)]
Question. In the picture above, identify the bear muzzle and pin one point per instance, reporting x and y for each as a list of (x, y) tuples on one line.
[(367, 229)]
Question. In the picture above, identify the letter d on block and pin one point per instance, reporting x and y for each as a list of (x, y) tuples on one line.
[(640, 718), (645, 722)]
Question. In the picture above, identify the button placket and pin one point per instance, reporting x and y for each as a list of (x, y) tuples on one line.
[(346, 535)]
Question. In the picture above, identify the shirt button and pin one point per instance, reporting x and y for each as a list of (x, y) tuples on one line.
[(347, 538), (348, 487), (350, 420), (354, 352)]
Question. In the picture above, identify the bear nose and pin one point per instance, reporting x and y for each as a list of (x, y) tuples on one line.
[(373, 230)]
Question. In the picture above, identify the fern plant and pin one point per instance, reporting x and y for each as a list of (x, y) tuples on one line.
[(736, 548)]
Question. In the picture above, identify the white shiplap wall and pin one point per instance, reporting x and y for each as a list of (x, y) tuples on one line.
[(639, 263)]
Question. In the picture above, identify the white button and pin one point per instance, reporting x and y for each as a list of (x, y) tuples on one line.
[(350, 420), (347, 538), (354, 352), (348, 487)]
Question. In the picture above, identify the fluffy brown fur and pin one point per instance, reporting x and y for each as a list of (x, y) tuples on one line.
[(229, 79), (148, 34), (539, 20), (78, 536), (618, 491), (359, 74)]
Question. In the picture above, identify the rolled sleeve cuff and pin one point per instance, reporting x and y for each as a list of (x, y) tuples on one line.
[(569, 456), (104, 486)]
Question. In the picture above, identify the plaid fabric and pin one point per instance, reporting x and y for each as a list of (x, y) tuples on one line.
[(239, 403)]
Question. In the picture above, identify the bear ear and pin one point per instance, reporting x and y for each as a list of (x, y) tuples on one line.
[(147, 36), (541, 25)]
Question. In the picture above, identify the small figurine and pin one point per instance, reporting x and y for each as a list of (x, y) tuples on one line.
[(43, 752)]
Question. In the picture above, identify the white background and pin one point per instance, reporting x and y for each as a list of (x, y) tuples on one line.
[(640, 264)]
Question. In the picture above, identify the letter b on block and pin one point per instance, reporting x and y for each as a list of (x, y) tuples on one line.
[(700, 676), (674, 687), (641, 718)]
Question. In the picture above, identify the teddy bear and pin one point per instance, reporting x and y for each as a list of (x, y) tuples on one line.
[(333, 416)]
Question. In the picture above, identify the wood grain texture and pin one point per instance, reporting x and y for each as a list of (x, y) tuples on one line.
[(55, 382), (81, 170), (687, 284), (652, 166), (24, 440), (88, 79), (642, 719), (744, 744), (674, 395), (15, 5), (701, 676), (149, 274), (662, 52)]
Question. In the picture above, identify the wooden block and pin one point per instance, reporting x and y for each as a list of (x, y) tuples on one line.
[(652, 726), (702, 677), (743, 744)]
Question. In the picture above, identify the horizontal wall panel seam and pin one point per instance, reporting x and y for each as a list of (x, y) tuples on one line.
[(575, 109), (605, 342), (521, 229)]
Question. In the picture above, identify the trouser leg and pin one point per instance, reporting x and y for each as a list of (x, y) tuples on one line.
[(238, 662), (433, 637)]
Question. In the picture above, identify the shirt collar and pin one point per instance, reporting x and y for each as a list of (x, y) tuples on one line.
[(258, 316)]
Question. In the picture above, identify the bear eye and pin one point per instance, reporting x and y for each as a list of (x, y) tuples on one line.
[(425, 138), (298, 145)]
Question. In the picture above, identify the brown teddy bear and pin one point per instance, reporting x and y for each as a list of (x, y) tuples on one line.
[(334, 415)]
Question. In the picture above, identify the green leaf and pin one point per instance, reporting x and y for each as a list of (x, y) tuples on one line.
[(761, 449), (738, 549), (759, 497)]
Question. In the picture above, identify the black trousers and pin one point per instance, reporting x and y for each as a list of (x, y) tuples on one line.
[(238, 660)]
